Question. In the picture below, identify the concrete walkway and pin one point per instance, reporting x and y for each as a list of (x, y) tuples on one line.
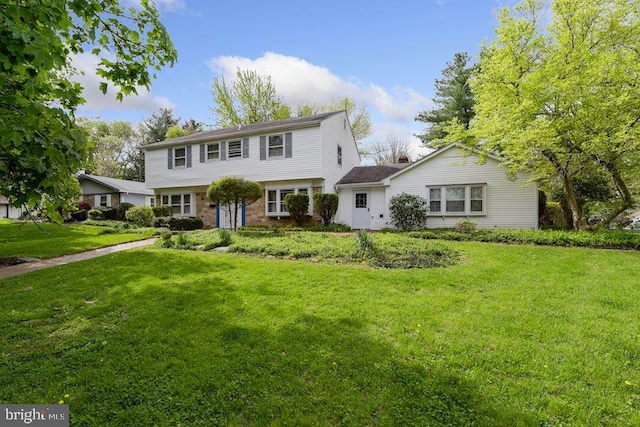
[(15, 270)]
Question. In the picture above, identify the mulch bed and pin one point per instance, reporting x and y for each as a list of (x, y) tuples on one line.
[(5, 262)]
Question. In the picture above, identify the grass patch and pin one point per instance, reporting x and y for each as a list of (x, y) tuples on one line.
[(379, 250), (517, 335), (25, 239)]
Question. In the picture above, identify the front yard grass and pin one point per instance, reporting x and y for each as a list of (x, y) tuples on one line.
[(26, 239), (515, 335)]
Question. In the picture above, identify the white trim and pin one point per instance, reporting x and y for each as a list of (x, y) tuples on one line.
[(281, 146), (467, 200), (279, 200), (181, 204)]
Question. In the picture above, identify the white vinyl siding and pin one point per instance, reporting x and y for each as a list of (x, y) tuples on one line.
[(304, 165), (505, 203)]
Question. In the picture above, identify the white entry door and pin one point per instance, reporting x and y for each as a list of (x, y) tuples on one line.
[(225, 218), (361, 215)]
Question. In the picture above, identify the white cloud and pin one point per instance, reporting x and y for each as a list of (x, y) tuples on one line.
[(299, 81), (171, 5), (96, 101)]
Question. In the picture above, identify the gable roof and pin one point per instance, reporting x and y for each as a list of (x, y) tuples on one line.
[(382, 174), (370, 174), (245, 130), (118, 185)]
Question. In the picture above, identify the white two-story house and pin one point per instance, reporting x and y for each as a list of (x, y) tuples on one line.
[(299, 155)]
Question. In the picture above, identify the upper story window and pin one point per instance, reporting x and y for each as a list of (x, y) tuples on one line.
[(180, 157), (340, 155), (276, 146), (457, 199), (235, 149), (213, 151)]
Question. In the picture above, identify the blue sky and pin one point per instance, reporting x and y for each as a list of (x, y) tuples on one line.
[(386, 54)]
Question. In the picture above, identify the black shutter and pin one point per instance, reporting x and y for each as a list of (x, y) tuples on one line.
[(223, 150), (263, 147), (245, 148), (188, 156), (170, 157), (202, 149), (288, 145)]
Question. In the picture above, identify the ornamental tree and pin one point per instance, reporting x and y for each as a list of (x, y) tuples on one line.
[(559, 94), (230, 192), (297, 205), (326, 206), (40, 145)]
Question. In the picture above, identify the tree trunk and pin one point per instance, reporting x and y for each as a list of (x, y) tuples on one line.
[(576, 213), (625, 194)]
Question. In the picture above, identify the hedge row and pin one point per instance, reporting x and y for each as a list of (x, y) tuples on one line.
[(606, 239)]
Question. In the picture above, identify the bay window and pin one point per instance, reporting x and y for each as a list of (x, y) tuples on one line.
[(180, 203)]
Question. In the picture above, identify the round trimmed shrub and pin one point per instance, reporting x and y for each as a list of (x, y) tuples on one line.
[(162, 211), (408, 211), (140, 215), (95, 214)]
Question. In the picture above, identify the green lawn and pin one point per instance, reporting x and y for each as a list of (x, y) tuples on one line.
[(20, 239), (514, 335)]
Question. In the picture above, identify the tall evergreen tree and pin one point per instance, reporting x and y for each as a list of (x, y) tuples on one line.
[(453, 100)]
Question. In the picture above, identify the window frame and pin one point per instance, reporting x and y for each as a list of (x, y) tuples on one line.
[(184, 204), (176, 158), (467, 202), (339, 155), (278, 203), (236, 155), (209, 152), (281, 146)]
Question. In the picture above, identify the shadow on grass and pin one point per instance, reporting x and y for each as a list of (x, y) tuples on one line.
[(171, 339)]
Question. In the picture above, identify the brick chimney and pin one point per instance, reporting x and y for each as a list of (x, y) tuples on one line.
[(403, 159)]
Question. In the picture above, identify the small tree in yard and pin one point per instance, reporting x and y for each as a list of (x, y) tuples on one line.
[(325, 205), (408, 212), (231, 191), (298, 206)]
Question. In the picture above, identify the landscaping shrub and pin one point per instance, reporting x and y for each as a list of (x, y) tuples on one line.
[(161, 221), (364, 245), (95, 214), (465, 226), (123, 208), (326, 206), (182, 223), (408, 211), (297, 205), (140, 215), (608, 239), (225, 237), (84, 206), (159, 211), (80, 215)]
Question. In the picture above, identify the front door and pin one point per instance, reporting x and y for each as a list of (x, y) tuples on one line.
[(361, 215), (225, 218)]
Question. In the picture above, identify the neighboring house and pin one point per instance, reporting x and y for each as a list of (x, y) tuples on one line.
[(8, 211), (102, 191), (299, 155), (455, 184)]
